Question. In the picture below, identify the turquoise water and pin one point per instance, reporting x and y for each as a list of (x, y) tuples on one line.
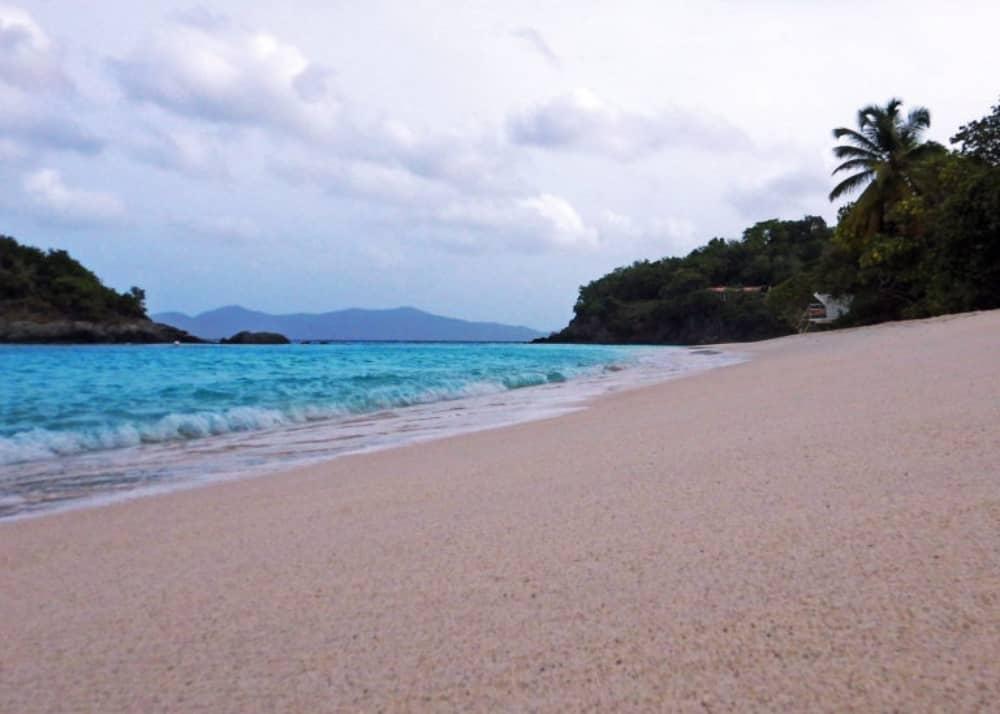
[(81, 421)]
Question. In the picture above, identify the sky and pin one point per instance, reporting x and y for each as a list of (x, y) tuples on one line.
[(476, 159)]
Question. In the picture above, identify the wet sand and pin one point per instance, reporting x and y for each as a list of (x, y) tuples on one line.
[(815, 530)]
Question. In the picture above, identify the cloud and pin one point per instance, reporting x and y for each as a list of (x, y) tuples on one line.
[(468, 162), (63, 204), (529, 224), (31, 127), (237, 229), (621, 227), (381, 183), (205, 67), (38, 102), (28, 58), (782, 195), (189, 152), (582, 121), (533, 40)]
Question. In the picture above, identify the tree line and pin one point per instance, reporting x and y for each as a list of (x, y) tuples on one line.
[(37, 285), (920, 238)]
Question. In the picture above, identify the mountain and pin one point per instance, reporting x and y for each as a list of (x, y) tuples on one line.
[(402, 323)]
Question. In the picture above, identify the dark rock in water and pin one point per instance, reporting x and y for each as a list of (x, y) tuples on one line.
[(256, 338), (137, 331)]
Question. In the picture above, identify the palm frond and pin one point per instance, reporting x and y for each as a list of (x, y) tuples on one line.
[(919, 119), (854, 152), (859, 139), (850, 184), (854, 164), (867, 115)]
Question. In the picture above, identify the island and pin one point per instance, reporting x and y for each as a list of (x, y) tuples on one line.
[(48, 297), (245, 337)]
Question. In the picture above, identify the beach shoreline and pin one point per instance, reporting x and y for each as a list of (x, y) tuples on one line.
[(815, 528), (156, 458)]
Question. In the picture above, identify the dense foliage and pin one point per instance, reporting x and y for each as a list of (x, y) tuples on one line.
[(936, 246), (38, 285), (672, 300), (921, 239)]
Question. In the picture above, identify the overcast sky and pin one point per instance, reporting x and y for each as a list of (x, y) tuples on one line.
[(476, 159)]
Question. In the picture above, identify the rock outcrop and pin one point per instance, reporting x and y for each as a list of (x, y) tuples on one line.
[(136, 331), (256, 338)]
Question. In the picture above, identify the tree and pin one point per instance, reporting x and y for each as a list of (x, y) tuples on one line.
[(962, 267), (884, 151), (980, 139), (40, 285)]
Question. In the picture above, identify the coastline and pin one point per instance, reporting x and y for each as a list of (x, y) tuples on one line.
[(814, 528), (133, 460)]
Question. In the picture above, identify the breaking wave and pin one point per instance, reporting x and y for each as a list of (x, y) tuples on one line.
[(373, 394)]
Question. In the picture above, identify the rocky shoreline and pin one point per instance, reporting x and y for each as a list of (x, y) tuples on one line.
[(83, 332)]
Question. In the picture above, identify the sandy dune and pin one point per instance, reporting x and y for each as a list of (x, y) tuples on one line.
[(815, 530)]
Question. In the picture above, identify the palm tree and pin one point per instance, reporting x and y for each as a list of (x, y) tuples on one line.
[(885, 149)]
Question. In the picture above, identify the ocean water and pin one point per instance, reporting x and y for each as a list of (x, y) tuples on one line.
[(86, 424)]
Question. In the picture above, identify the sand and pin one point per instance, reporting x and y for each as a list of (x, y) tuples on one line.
[(815, 530)]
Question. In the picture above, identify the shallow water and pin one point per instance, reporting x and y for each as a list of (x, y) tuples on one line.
[(84, 424)]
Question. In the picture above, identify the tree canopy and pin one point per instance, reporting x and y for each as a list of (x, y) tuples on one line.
[(884, 151), (980, 139), (40, 285), (922, 238)]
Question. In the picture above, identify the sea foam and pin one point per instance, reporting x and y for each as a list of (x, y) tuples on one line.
[(92, 421)]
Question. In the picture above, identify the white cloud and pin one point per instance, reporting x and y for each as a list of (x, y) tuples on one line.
[(645, 235), (231, 228), (64, 204), (36, 125), (382, 183), (786, 194), (187, 151), (209, 68), (28, 58), (38, 102), (619, 226), (583, 121), (560, 221), (529, 224)]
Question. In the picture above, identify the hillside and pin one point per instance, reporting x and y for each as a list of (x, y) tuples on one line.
[(720, 292), (921, 238), (50, 297), (403, 323)]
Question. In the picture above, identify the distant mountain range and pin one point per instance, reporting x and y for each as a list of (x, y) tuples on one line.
[(402, 323)]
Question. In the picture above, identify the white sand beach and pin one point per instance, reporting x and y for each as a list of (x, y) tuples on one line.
[(817, 529)]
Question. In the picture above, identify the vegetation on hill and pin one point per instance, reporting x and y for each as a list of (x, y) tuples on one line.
[(48, 297), (42, 286), (922, 238), (671, 300)]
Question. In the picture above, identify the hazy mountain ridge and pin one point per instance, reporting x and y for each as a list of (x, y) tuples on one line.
[(403, 323)]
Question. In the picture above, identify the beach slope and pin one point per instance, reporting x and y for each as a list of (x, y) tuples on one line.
[(816, 529)]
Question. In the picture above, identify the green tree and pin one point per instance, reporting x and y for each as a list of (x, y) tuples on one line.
[(884, 152), (980, 139), (42, 285), (961, 268)]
